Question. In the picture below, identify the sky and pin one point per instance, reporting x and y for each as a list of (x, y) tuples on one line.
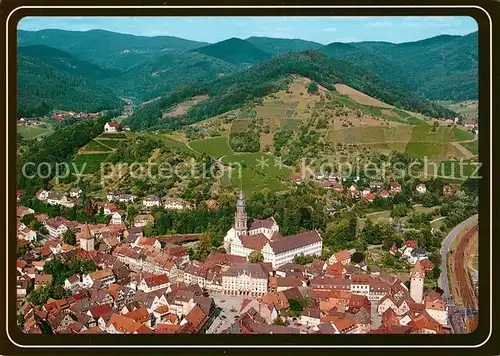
[(319, 29)]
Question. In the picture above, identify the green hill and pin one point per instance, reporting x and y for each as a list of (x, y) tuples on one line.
[(439, 68), (42, 87), (66, 62), (163, 74), (233, 91), (105, 48), (234, 50), (282, 45)]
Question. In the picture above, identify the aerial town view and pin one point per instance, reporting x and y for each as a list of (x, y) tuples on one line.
[(246, 175)]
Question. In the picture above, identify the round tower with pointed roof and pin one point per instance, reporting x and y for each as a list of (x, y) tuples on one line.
[(86, 239), (417, 283), (240, 218)]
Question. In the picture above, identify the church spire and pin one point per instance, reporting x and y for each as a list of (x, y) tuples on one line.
[(240, 218)]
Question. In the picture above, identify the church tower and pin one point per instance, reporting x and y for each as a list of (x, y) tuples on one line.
[(240, 218), (86, 239), (417, 283)]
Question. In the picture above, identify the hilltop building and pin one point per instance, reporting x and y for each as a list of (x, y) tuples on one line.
[(264, 236)]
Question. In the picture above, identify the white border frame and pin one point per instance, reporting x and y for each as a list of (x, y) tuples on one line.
[(247, 346)]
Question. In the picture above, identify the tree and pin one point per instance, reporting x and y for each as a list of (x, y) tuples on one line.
[(312, 88), (357, 257), (255, 256), (279, 321), (302, 259), (69, 237)]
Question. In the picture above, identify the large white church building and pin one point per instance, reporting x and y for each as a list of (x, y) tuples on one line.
[(264, 236)]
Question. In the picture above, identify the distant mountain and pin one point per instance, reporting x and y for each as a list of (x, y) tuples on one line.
[(163, 74), (233, 91), (67, 63), (105, 48), (235, 51), (42, 88), (439, 68), (282, 45)]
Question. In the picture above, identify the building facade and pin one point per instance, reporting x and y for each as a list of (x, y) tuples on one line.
[(264, 236)]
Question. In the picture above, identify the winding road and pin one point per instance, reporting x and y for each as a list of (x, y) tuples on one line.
[(443, 281)]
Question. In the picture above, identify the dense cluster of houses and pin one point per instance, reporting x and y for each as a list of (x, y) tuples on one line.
[(144, 286), (150, 285)]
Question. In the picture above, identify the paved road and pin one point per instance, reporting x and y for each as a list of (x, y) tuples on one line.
[(443, 281)]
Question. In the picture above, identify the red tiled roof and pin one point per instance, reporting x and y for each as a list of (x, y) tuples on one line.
[(266, 224), (254, 242), (157, 280), (293, 242)]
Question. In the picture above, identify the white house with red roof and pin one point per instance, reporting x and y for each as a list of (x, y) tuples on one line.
[(154, 283), (111, 126)]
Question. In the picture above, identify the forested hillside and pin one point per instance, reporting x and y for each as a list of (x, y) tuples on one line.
[(439, 68), (232, 91), (282, 45), (41, 88), (105, 48), (234, 50), (167, 73), (67, 63)]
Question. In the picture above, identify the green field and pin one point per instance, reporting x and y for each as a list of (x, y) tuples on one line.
[(253, 181), (117, 136), (412, 120), (460, 135), (471, 146), (29, 132), (427, 149), (259, 162), (171, 143), (214, 147), (240, 125), (424, 133), (95, 146), (454, 169), (92, 161), (276, 108), (110, 143)]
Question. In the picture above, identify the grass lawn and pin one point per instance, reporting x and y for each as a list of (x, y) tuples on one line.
[(92, 161), (29, 132), (460, 135), (427, 149), (415, 121), (454, 169), (472, 146), (419, 208), (214, 147), (170, 142), (252, 161), (252, 181)]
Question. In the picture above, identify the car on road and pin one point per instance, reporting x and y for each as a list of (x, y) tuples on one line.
[(223, 316)]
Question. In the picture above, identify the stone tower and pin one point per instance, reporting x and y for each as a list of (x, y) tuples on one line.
[(86, 239), (240, 218), (417, 283)]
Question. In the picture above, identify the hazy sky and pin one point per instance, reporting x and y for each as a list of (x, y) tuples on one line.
[(319, 29)]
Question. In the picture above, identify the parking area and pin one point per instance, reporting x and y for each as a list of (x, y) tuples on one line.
[(230, 309)]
